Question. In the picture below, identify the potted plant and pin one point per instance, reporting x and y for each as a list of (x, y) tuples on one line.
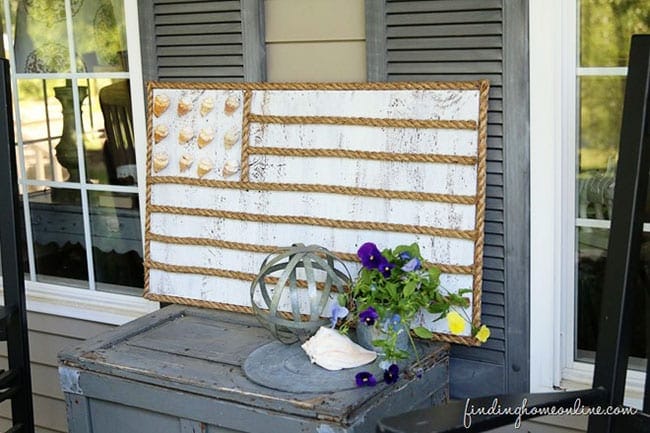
[(391, 288)]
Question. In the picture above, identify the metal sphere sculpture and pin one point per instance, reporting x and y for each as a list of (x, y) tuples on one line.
[(299, 279)]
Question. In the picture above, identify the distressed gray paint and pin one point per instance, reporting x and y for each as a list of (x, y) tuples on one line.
[(441, 40), (131, 378)]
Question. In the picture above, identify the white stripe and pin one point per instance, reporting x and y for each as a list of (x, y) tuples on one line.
[(318, 205)]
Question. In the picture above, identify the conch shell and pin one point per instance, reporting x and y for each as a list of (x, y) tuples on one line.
[(205, 167), (229, 168), (333, 351), (185, 135), (230, 138), (160, 161)]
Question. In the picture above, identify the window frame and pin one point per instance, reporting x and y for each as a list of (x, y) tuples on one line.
[(554, 110), (67, 301)]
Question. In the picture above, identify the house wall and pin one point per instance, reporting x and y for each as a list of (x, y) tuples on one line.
[(48, 334), (315, 40)]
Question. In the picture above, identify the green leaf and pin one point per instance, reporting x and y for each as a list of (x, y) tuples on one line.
[(423, 332), (409, 288), (464, 291), (437, 308)]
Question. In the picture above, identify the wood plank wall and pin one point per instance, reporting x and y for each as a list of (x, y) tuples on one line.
[(48, 334)]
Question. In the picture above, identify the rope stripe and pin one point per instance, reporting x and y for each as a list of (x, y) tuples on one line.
[(301, 187), (364, 121), (268, 249), (245, 152), (374, 156), (395, 85), (323, 222)]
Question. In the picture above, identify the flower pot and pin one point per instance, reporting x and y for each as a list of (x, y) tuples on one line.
[(367, 334)]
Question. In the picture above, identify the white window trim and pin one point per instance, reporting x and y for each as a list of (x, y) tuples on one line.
[(552, 238), (97, 306)]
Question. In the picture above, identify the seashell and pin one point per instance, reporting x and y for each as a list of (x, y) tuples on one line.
[(205, 137), (160, 132), (230, 138), (333, 351), (205, 166), (185, 162), (232, 104), (230, 168), (160, 161), (206, 106), (160, 104), (185, 135), (184, 106)]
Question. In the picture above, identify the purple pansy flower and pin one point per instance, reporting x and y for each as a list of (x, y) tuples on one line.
[(412, 265), (365, 379), (338, 312), (391, 374), (370, 256), (368, 316), (385, 267)]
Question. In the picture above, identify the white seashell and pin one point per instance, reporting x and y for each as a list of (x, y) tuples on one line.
[(160, 104), (160, 161), (185, 135), (206, 106), (230, 138), (205, 137), (205, 166), (160, 132), (232, 104), (185, 162), (333, 351), (184, 106), (230, 168)]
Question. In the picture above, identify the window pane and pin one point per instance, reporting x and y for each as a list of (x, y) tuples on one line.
[(117, 242), (592, 253), (601, 107), (42, 115), (41, 36), (108, 132), (58, 236), (100, 35), (606, 27)]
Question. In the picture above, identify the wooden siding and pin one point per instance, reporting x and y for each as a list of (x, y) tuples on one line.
[(47, 336), (315, 40)]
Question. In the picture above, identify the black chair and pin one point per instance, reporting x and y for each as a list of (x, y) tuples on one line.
[(620, 292), (119, 149)]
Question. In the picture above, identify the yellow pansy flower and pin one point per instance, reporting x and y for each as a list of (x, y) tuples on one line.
[(483, 334), (456, 322)]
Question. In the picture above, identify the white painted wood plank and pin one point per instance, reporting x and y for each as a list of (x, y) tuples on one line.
[(366, 139), (389, 175), (394, 104), (332, 206), (437, 250)]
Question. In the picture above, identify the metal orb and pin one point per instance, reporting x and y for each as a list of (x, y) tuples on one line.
[(290, 293)]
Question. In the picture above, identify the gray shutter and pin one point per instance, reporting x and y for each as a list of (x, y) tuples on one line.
[(202, 40), (428, 40)]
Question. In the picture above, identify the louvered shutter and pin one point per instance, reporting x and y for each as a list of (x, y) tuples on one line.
[(202, 40), (428, 40)]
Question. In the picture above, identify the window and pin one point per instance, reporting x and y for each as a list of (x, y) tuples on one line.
[(578, 55), (75, 142), (604, 30)]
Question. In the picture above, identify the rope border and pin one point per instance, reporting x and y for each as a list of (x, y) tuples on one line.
[(481, 85)]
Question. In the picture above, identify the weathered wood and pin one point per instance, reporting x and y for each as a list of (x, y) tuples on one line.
[(185, 363)]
